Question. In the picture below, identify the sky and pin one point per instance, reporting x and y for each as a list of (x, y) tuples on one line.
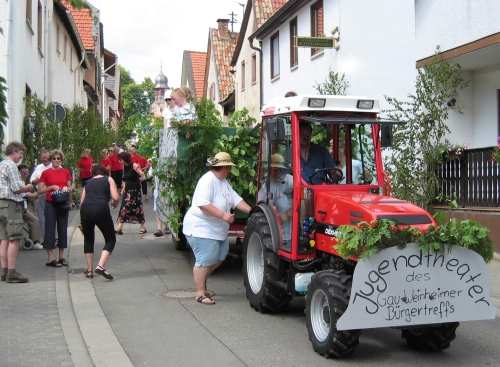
[(147, 34)]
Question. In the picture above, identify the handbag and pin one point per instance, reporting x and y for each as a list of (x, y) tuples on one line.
[(60, 196)]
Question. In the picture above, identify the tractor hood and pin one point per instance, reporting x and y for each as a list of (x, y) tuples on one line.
[(350, 208)]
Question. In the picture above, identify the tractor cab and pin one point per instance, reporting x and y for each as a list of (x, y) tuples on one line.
[(320, 164)]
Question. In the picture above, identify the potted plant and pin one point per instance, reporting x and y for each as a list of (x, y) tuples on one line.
[(449, 151)]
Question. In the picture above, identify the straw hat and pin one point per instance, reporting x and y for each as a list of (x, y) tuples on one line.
[(220, 159), (277, 161)]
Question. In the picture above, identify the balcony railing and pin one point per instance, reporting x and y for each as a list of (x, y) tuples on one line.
[(472, 178)]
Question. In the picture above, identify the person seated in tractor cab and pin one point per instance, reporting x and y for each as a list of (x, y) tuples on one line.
[(281, 187), (314, 157), (356, 166)]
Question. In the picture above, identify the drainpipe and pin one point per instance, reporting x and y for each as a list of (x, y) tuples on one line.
[(8, 108), (46, 57), (259, 50), (76, 77)]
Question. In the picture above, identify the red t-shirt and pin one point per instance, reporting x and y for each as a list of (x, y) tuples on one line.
[(135, 159), (106, 162), (115, 163), (143, 162), (58, 177), (85, 164)]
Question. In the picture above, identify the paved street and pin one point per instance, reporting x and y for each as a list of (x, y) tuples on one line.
[(147, 316)]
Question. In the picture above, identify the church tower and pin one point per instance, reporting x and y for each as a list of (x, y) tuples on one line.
[(161, 85)]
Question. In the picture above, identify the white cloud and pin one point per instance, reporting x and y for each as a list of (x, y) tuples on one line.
[(144, 34)]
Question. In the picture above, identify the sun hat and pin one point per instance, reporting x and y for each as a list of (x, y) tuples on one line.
[(220, 159), (277, 161), (167, 94)]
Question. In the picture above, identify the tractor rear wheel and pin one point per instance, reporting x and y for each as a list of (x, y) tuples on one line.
[(431, 339), (326, 301), (260, 268)]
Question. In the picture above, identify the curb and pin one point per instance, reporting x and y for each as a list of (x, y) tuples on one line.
[(101, 343)]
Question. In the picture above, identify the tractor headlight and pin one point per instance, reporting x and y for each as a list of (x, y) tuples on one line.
[(316, 102), (365, 104)]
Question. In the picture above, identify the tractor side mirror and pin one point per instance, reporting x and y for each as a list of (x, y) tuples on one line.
[(276, 130), (386, 136)]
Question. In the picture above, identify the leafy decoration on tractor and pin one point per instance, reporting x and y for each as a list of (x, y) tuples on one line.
[(366, 239)]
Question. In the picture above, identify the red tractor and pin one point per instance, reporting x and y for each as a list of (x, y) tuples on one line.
[(320, 167)]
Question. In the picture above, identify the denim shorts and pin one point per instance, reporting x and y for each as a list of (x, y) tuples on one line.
[(207, 251)]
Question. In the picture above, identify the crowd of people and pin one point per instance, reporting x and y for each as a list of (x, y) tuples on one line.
[(117, 173)]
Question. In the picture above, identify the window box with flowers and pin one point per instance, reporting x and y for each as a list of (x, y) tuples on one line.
[(495, 156), (448, 151)]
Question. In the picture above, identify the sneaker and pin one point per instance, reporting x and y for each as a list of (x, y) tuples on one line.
[(158, 233), (37, 246), (16, 278)]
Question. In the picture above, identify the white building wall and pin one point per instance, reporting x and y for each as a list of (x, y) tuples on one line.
[(212, 78), (26, 65), (66, 86), (439, 23), (378, 58), (486, 84), (454, 23), (4, 10), (250, 97)]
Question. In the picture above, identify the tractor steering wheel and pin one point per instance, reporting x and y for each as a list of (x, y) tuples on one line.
[(329, 181)]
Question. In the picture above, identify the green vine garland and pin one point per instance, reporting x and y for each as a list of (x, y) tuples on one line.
[(366, 239)]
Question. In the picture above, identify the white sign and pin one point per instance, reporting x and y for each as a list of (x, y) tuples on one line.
[(409, 287)]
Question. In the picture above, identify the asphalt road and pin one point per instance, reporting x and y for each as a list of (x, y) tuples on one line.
[(155, 330)]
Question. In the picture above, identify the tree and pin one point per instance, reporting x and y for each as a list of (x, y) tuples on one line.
[(81, 129), (412, 161), (334, 84), (125, 77)]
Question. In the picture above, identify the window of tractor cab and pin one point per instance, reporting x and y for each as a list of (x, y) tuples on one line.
[(274, 166), (354, 141)]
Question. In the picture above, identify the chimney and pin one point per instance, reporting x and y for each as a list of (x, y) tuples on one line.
[(223, 28)]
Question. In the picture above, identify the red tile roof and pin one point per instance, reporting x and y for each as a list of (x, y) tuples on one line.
[(83, 21), (198, 62), (223, 48), (265, 9)]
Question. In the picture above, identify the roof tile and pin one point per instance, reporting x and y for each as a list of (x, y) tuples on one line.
[(223, 48), (83, 21), (198, 62), (265, 9)]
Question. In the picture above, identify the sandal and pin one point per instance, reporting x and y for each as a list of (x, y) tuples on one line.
[(103, 272), (118, 231), (53, 264), (203, 297), (89, 273), (210, 293), (142, 231), (63, 261)]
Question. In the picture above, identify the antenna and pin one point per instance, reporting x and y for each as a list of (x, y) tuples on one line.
[(242, 5), (233, 20)]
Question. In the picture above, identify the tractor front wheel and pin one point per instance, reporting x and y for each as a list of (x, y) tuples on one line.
[(260, 268), (326, 301), (431, 339)]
